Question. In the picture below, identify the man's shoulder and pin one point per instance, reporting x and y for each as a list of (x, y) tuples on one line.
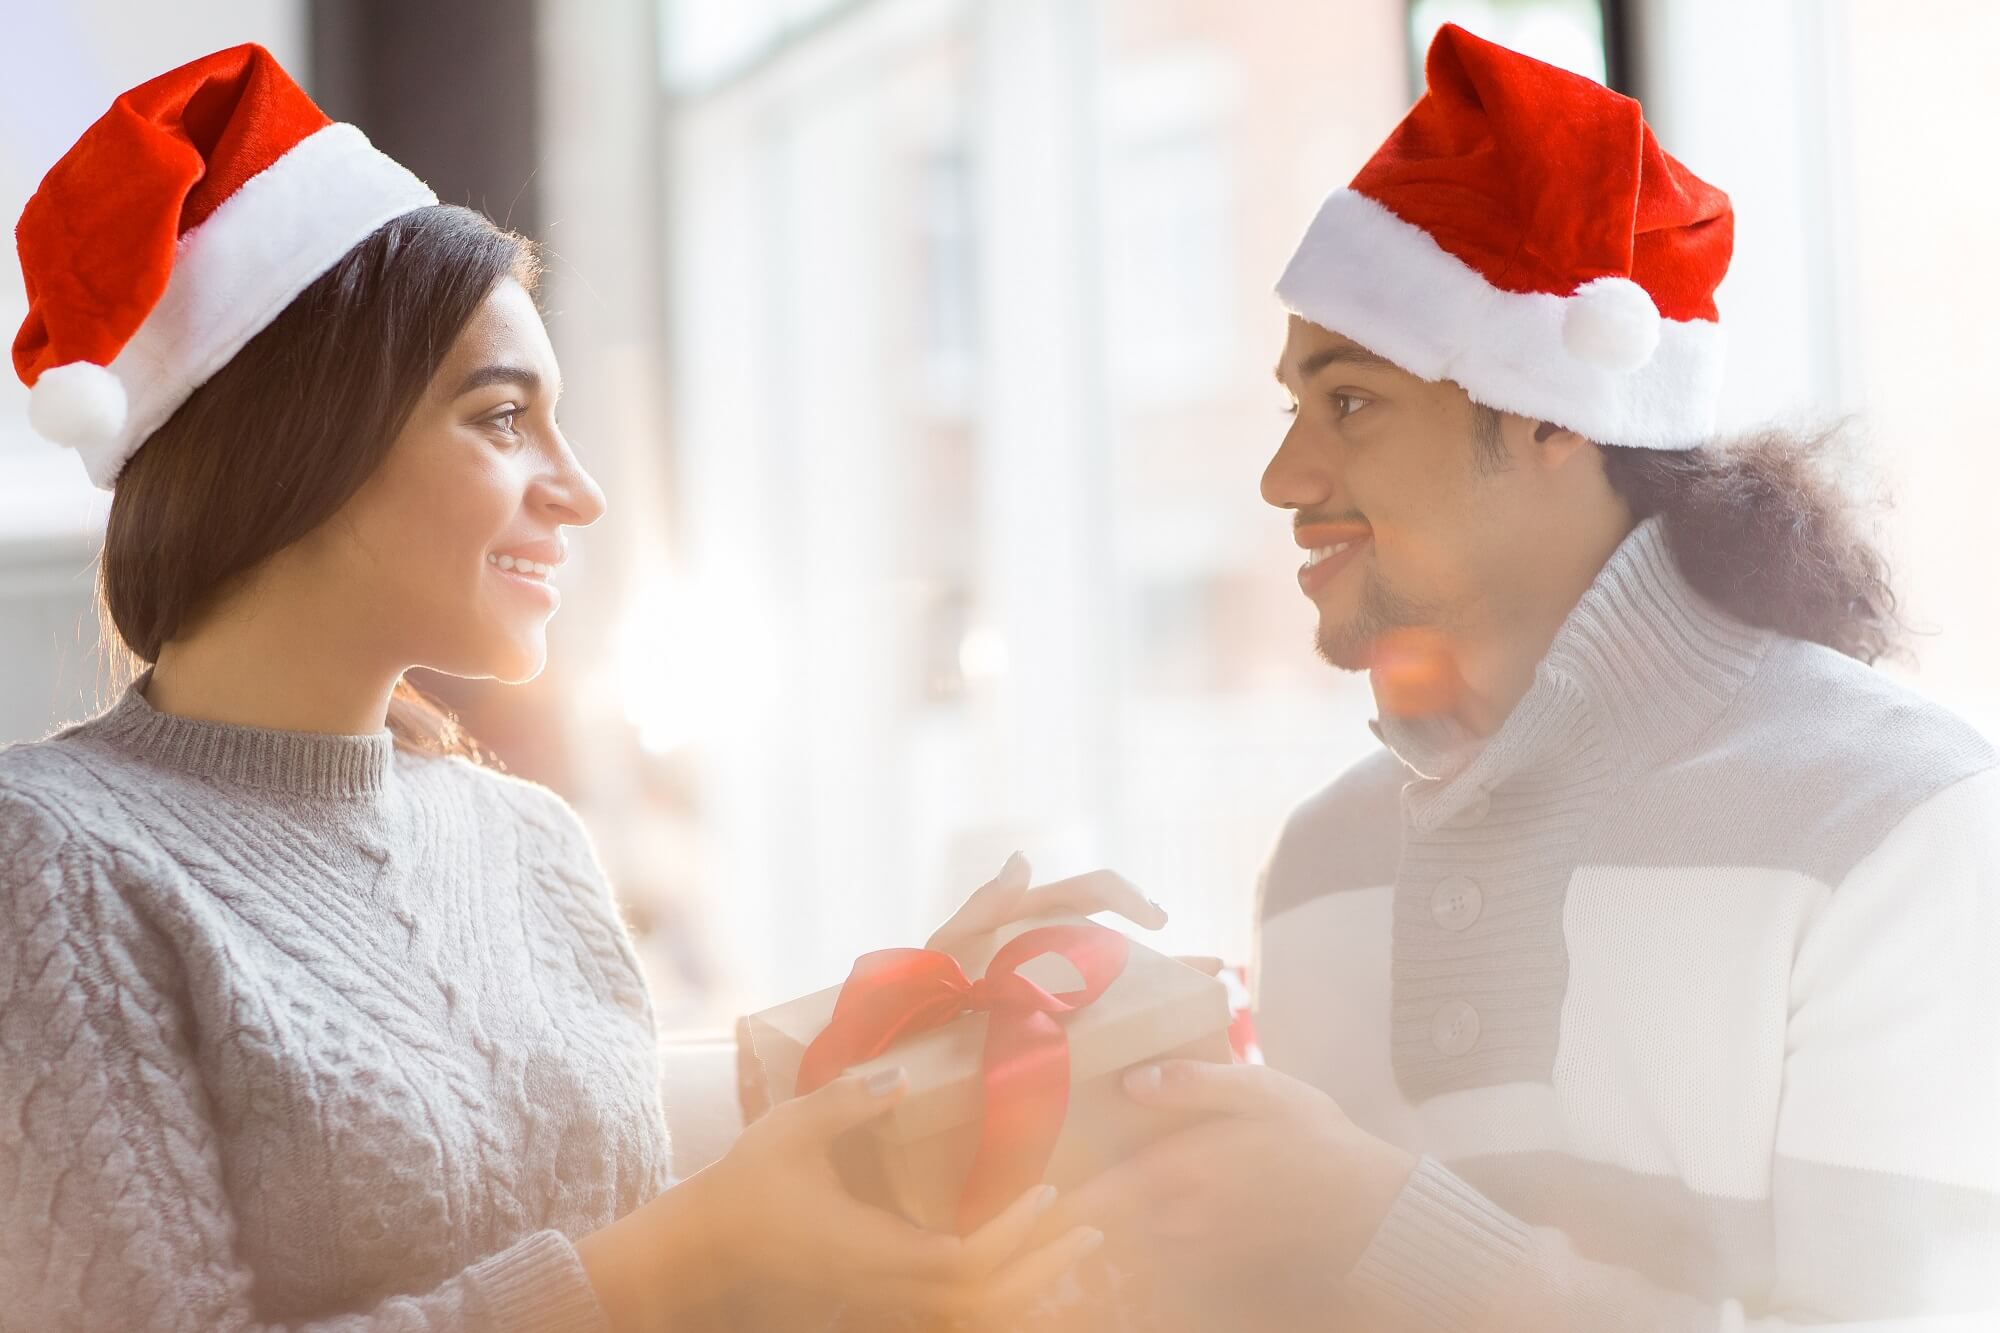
[(1819, 759), (1834, 702), (1348, 835)]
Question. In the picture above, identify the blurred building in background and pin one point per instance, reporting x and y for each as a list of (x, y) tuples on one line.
[(924, 349)]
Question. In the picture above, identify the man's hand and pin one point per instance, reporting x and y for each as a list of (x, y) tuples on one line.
[(1278, 1179), (1007, 898), (773, 1209)]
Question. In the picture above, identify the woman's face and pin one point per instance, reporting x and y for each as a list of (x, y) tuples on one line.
[(458, 536)]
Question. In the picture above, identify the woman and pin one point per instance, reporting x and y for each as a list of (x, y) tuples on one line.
[(311, 1020)]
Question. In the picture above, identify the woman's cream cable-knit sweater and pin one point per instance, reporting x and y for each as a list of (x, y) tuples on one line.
[(304, 1031)]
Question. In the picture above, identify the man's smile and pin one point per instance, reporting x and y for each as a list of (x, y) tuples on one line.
[(1330, 548)]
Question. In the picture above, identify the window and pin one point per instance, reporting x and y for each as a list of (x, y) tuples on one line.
[(1571, 33), (1167, 197), (972, 396)]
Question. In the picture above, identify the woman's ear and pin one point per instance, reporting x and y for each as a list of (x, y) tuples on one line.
[(1556, 443)]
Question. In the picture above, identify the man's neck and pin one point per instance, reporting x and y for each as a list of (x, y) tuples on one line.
[(1495, 661)]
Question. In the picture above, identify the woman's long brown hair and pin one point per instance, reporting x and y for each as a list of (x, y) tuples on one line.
[(278, 439)]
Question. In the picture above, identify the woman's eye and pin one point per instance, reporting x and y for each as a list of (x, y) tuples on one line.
[(504, 420)]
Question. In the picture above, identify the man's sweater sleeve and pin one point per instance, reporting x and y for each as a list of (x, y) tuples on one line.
[(1885, 1186), (113, 1213)]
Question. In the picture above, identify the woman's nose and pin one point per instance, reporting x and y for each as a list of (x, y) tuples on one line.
[(576, 498)]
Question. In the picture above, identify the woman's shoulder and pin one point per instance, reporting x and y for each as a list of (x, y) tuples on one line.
[(55, 846), (50, 788), (32, 826), (541, 817)]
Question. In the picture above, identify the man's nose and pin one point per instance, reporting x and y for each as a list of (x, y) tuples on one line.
[(1298, 476)]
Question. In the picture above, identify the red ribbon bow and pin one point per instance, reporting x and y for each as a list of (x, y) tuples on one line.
[(897, 993)]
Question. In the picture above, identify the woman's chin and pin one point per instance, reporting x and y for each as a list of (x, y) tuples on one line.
[(521, 673), (516, 663), (509, 658)]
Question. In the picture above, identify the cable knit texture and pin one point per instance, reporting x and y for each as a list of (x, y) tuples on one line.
[(304, 1031)]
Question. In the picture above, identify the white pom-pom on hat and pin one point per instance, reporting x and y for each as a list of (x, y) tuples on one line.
[(1611, 323), (80, 405)]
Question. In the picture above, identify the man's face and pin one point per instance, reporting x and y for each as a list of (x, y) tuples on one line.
[(1403, 493)]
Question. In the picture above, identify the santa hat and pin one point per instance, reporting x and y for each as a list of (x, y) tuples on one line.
[(182, 223), (1522, 234)]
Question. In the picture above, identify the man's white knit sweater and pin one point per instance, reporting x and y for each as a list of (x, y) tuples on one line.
[(1685, 985), (306, 1032)]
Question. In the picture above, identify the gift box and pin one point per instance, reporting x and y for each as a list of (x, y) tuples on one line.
[(1013, 1044)]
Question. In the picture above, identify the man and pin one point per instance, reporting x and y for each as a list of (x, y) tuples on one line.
[(1645, 978)]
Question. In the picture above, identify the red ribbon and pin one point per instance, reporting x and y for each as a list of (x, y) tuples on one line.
[(897, 993)]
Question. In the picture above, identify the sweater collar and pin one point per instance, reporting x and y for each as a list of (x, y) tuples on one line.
[(1640, 666), (300, 763)]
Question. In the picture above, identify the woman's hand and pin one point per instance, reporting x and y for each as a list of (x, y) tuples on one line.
[(774, 1209), (1007, 898), (778, 1210)]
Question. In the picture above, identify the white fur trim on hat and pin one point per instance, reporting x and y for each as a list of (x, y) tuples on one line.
[(1598, 361), (240, 268)]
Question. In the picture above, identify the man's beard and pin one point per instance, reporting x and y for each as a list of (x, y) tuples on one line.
[(1350, 645)]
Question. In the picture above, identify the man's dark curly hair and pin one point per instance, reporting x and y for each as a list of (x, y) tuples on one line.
[(1763, 528)]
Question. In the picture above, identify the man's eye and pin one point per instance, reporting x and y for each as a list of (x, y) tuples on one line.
[(1347, 404)]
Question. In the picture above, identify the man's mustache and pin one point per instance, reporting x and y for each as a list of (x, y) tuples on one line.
[(1350, 518)]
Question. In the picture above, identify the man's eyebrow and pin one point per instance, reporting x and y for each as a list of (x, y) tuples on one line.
[(503, 374), (1344, 355)]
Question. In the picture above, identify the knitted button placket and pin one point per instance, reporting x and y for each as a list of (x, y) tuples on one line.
[(1455, 1028), (1473, 813), (1456, 902)]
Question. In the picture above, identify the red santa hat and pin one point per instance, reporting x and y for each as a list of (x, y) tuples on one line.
[(1522, 234), (181, 223)]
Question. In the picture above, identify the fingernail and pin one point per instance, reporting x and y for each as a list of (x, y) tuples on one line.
[(1154, 903), (1144, 1079), (1089, 1241), (885, 1081), (1045, 1200), (1014, 863)]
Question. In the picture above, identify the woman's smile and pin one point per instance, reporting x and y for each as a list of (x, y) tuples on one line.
[(531, 576)]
